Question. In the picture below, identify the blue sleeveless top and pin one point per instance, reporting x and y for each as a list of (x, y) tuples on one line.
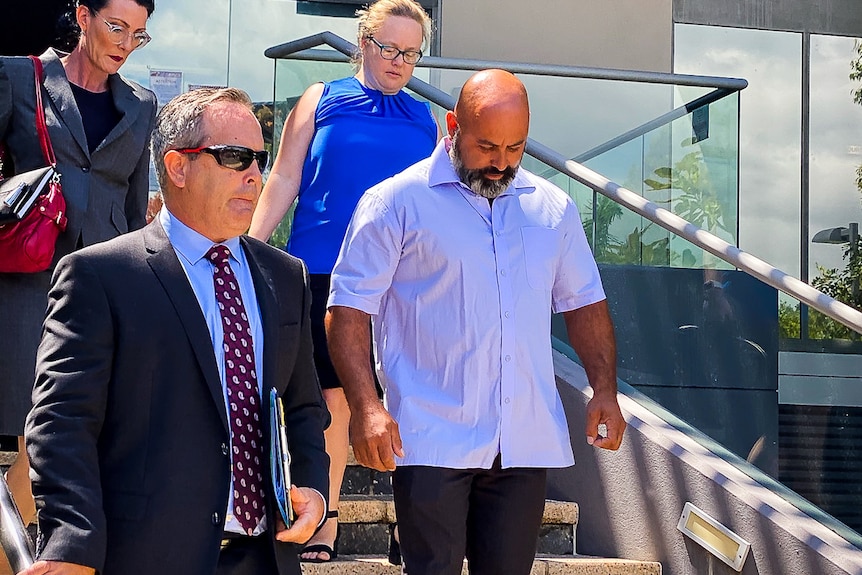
[(361, 137)]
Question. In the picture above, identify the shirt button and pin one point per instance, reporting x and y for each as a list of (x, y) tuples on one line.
[(85, 169), (215, 518), (502, 272), (507, 400), (225, 449), (508, 357), (506, 314)]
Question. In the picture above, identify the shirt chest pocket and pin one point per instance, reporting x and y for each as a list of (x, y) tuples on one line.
[(540, 251)]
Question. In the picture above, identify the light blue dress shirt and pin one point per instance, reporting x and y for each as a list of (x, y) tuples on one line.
[(461, 297), (191, 247)]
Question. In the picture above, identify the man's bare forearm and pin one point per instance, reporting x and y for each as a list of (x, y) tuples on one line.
[(591, 334), (373, 433), (349, 340)]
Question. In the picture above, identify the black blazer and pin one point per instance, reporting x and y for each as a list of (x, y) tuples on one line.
[(128, 436)]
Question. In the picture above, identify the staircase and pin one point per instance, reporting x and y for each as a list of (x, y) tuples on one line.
[(366, 512)]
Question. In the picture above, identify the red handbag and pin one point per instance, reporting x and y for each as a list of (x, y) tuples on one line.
[(27, 245)]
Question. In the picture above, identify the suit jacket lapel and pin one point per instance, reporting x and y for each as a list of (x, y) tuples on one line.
[(126, 103), (164, 263), (60, 94), (264, 289)]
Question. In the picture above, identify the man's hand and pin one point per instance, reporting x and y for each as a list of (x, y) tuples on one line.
[(57, 568), (308, 509), (375, 437), (591, 334), (603, 409), (373, 432)]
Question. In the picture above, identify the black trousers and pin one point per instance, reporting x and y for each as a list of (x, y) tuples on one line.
[(247, 556), (490, 516)]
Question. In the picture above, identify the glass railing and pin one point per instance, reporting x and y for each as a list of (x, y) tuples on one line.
[(693, 176), (694, 334), (688, 165)]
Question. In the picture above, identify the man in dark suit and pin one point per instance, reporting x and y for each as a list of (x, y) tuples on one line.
[(149, 437)]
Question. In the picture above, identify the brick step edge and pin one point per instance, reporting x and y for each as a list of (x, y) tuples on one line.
[(373, 539), (381, 509), (543, 565)]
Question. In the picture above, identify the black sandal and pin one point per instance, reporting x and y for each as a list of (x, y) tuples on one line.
[(322, 547)]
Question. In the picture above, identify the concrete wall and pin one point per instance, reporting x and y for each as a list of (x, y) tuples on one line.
[(625, 34), (631, 500), (839, 17)]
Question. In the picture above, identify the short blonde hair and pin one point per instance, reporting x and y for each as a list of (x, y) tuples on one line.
[(371, 18)]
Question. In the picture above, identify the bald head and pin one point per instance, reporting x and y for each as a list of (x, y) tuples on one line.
[(492, 91), (489, 131)]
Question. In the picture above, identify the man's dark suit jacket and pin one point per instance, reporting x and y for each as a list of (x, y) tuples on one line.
[(128, 437)]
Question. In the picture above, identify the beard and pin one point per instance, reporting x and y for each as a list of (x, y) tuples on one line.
[(475, 179)]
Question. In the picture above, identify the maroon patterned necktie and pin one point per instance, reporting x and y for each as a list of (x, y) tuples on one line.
[(246, 435)]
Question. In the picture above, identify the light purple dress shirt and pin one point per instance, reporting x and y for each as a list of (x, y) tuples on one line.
[(461, 297)]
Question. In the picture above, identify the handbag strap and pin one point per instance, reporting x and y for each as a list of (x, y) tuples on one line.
[(41, 124)]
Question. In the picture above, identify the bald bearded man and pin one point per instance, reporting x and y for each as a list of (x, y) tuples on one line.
[(460, 260)]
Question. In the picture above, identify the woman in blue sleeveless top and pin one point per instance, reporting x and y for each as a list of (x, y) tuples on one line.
[(342, 138)]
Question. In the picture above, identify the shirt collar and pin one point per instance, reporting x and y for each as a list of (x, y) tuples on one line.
[(442, 171), (190, 244)]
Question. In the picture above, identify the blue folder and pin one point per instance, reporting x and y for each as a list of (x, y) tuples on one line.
[(280, 458)]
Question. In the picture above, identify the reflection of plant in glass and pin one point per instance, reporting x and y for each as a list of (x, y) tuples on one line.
[(839, 283), (697, 200), (282, 230), (692, 197), (788, 320), (635, 250), (856, 75), (819, 325), (834, 282), (606, 211)]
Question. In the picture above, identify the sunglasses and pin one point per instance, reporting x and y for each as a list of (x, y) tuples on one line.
[(237, 158)]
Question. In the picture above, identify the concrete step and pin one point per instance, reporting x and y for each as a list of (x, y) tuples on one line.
[(6, 458), (364, 525), (543, 565), (364, 528), (381, 509), (359, 480)]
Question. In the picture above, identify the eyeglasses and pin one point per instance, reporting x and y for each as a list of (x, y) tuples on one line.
[(391, 52), (236, 158), (120, 35)]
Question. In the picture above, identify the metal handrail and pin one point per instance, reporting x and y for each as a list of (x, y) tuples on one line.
[(733, 84), (13, 535), (729, 253), (301, 49)]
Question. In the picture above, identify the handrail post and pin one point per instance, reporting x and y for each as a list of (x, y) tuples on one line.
[(13, 535)]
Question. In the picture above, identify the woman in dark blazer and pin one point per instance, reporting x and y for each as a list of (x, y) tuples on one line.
[(100, 125)]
